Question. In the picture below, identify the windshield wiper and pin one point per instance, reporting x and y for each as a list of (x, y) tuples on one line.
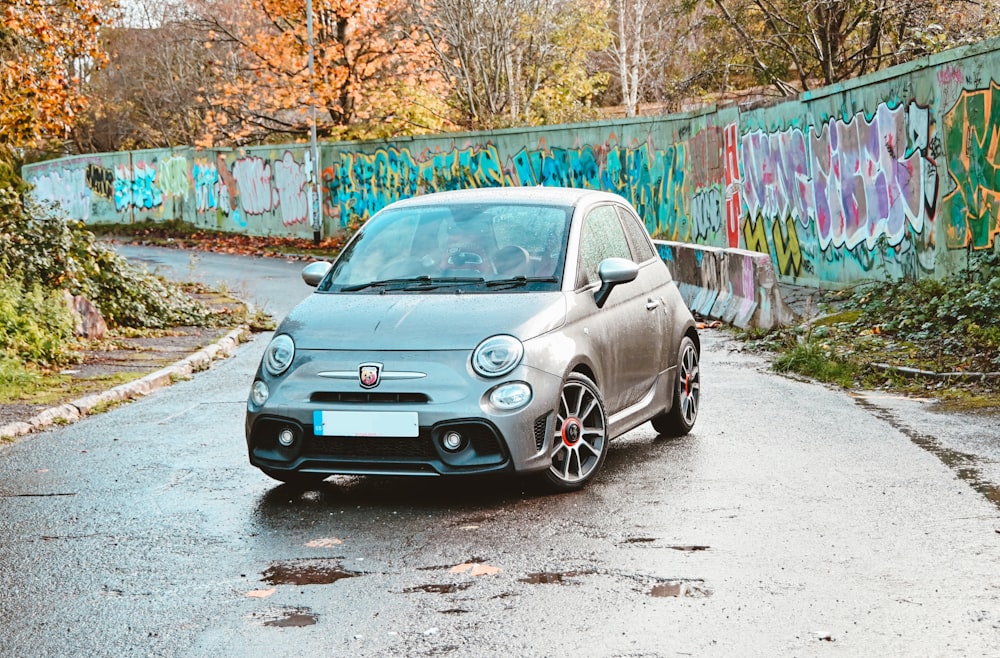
[(382, 283), (418, 283), (519, 281), (446, 282)]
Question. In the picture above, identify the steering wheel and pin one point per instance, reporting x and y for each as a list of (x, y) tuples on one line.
[(512, 260)]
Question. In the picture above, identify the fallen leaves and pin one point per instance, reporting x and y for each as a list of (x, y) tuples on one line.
[(325, 542), (475, 569)]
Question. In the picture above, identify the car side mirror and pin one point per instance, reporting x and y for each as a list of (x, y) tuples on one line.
[(613, 272), (313, 273)]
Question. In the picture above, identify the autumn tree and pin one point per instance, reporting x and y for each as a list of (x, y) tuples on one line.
[(795, 45), (46, 49), (649, 57), (369, 76), (151, 93), (516, 62)]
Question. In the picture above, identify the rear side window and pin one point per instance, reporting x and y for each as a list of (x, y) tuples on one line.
[(642, 247), (602, 238)]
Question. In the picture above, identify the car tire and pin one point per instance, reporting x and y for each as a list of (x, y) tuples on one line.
[(687, 393), (580, 439), (296, 478)]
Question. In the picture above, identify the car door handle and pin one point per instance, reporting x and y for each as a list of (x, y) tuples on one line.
[(652, 304)]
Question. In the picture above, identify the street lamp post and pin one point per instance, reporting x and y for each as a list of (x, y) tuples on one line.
[(317, 197)]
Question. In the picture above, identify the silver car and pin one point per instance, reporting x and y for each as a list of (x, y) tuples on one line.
[(504, 330)]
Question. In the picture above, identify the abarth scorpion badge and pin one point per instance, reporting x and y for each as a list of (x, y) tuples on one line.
[(368, 373)]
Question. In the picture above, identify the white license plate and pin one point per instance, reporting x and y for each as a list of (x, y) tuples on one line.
[(366, 423)]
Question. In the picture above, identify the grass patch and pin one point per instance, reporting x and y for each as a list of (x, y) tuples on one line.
[(16, 380), (52, 388), (818, 362), (880, 334)]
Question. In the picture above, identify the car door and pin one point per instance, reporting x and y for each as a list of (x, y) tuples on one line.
[(623, 334)]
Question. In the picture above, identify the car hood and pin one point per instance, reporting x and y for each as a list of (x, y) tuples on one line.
[(419, 321)]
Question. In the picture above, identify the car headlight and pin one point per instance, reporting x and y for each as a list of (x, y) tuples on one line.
[(278, 355), (497, 355)]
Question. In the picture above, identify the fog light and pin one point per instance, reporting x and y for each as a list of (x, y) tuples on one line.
[(259, 393), (286, 437), (511, 396), (452, 441)]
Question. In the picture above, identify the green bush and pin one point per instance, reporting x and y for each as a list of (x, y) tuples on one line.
[(40, 247), (956, 316), (35, 326)]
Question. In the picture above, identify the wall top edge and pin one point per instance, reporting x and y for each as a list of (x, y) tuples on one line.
[(900, 70), (622, 124)]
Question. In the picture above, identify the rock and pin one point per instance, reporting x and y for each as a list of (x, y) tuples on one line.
[(88, 321)]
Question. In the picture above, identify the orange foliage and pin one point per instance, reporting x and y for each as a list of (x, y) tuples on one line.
[(45, 47), (370, 63)]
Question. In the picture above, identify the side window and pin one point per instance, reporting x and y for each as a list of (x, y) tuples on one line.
[(642, 248), (602, 238)]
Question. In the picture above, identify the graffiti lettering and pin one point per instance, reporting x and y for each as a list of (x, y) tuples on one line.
[(135, 187), (731, 163), (101, 180), (291, 186), (206, 178), (66, 188), (787, 252), (706, 212), (972, 142), (253, 181), (858, 181), (174, 177)]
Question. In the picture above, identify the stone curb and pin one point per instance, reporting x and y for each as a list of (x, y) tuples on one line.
[(70, 412)]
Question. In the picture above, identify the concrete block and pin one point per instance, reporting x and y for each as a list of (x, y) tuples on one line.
[(696, 271), (733, 285)]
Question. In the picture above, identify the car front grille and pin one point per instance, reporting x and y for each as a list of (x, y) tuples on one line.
[(356, 397), (361, 448)]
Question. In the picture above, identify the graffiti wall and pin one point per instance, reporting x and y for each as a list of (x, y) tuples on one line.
[(890, 175)]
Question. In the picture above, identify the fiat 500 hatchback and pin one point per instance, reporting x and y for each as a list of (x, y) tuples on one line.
[(504, 330)]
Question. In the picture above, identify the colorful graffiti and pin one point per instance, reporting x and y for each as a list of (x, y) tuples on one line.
[(173, 177), (972, 142), (731, 165), (136, 187), (290, 184), (866, 179), (205, 177), (101, 180), (854, 183), (359, 184), (66, 187)]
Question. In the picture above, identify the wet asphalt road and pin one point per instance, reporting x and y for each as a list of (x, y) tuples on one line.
[(794, 520)]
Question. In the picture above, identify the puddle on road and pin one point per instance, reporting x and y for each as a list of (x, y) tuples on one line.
[(550, 577), (445, 588), (966, 466), (680, 589), (296, 618), (306, 572)]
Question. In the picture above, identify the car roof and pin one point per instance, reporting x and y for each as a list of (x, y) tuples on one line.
[(561, 196)]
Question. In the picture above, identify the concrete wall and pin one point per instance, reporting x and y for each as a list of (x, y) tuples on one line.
[(893, 174)]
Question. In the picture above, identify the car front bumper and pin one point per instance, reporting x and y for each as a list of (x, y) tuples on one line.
[(443, 392)]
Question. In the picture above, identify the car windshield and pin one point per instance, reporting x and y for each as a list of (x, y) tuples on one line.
[(475, 247)]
